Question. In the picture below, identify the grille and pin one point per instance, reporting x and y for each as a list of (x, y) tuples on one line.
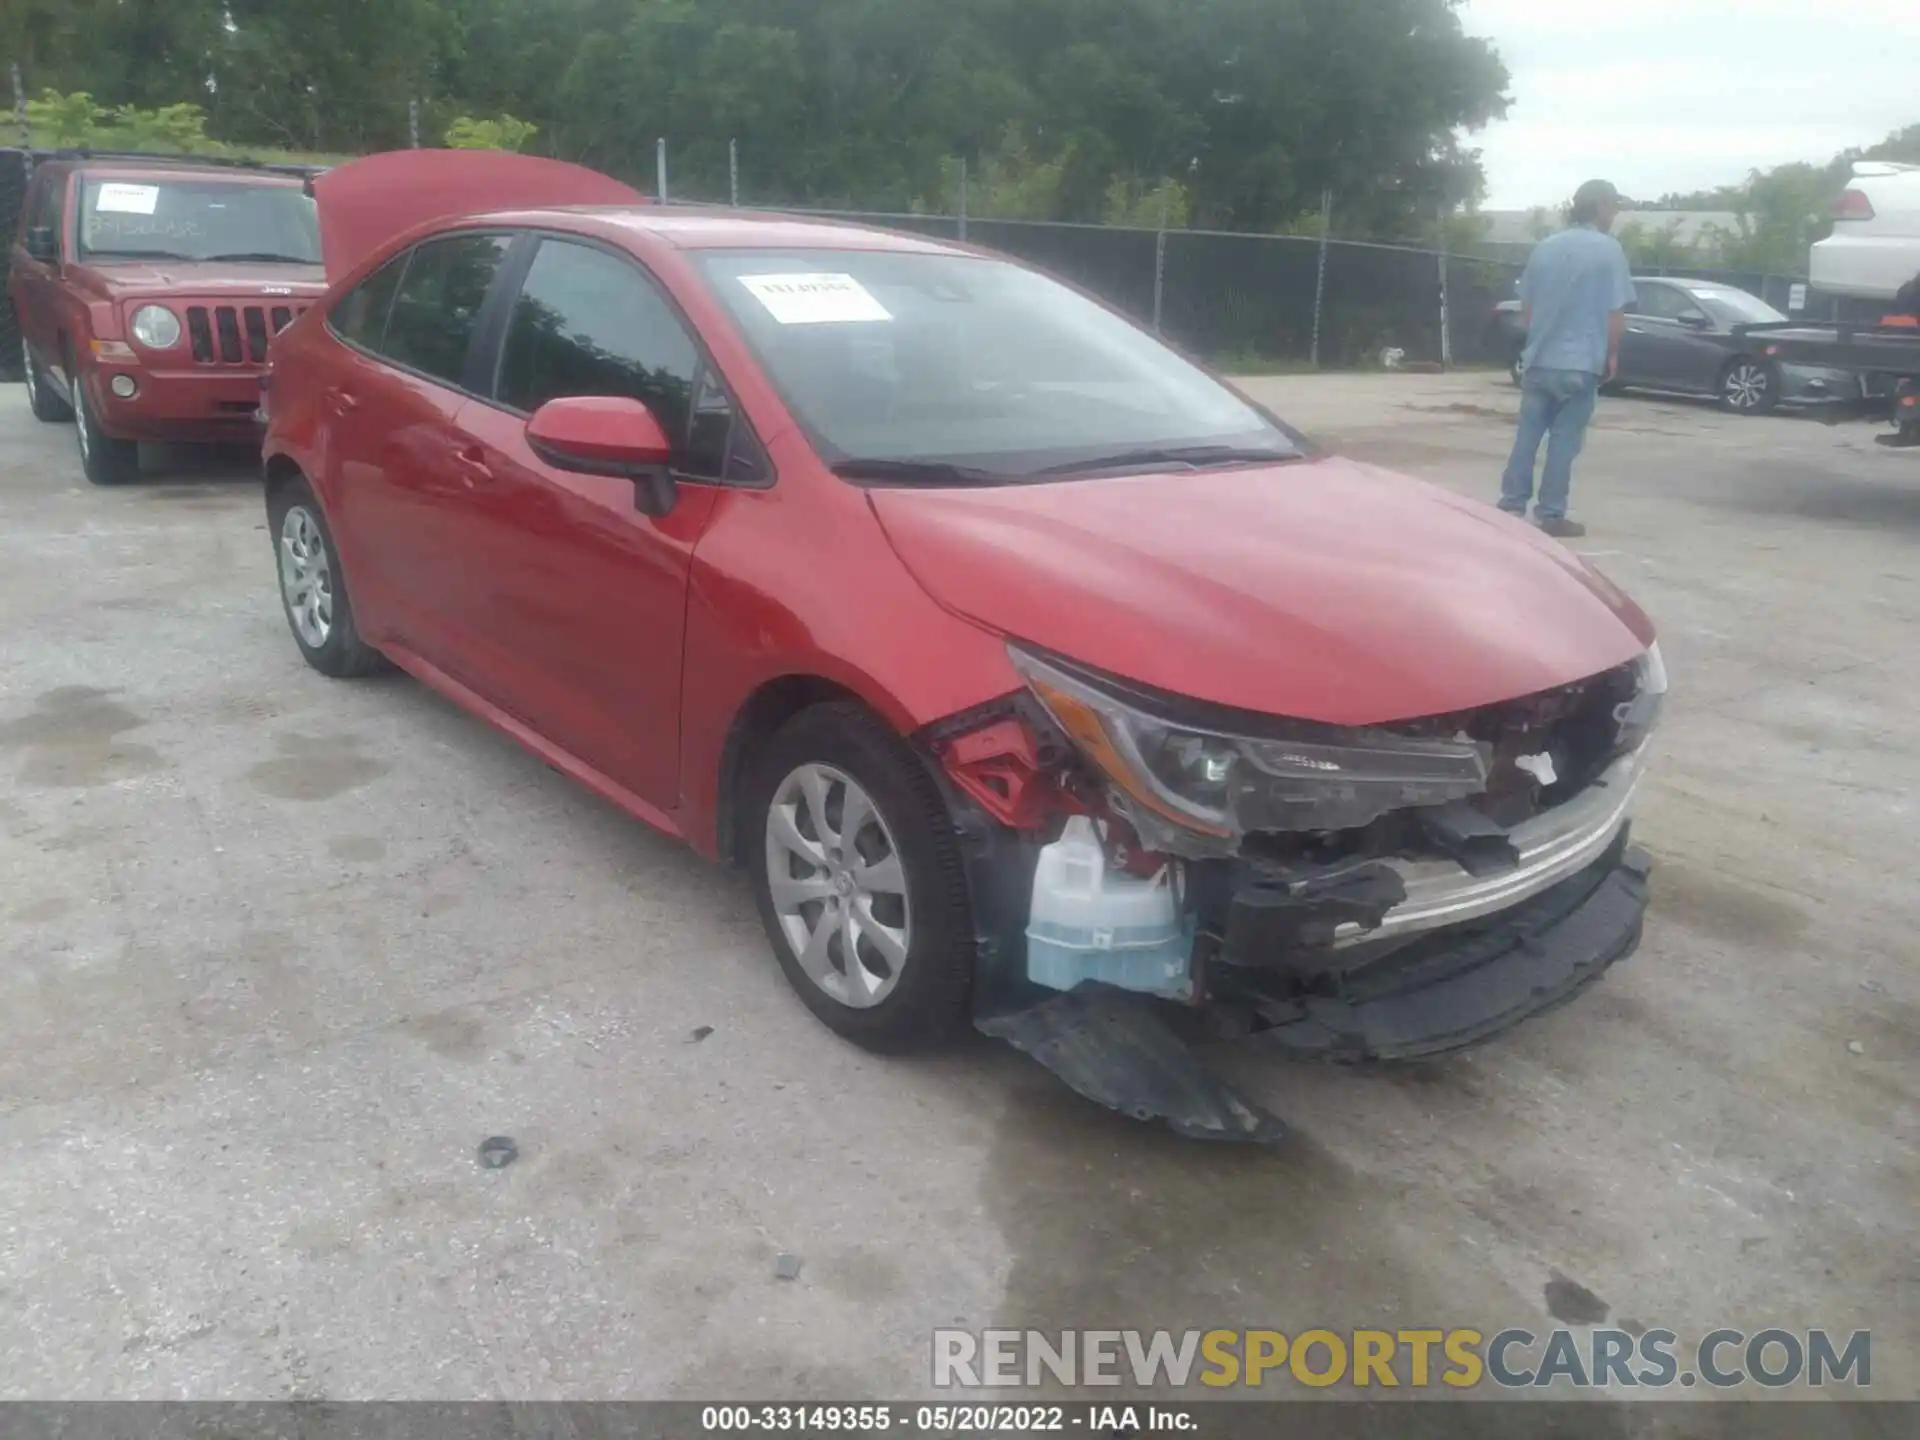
[(236, 334)]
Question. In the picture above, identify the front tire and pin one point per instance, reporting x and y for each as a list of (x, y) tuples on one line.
[(860, 882), (1749, 387), (41, 400), (313, 591), (105, 460)]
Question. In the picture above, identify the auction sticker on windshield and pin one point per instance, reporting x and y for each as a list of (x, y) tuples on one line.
[(127, 199), (815, 299)]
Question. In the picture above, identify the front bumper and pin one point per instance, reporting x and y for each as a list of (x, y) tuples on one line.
[(1460, 987), (1441, 993), (207, 405), (1552, 846)]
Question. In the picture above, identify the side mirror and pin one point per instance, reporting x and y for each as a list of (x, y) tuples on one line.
[(1695, 320), (43, 244), (608, 435)]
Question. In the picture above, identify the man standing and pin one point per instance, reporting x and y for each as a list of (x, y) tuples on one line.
[(1574, 296)]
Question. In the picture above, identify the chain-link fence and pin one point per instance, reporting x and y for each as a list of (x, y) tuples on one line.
[(1244, 302), (1256, 302)]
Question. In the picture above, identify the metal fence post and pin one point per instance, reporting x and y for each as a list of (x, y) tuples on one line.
[(1320, 278), (1446, 327), (963, 199), (413, 124), (20, 107), (1160, 254), (660, 169), (733, 173)]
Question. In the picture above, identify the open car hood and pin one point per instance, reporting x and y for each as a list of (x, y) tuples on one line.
[(365, 203), (1322, 589)]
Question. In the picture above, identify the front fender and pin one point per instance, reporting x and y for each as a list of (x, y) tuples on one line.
[(784, 591)]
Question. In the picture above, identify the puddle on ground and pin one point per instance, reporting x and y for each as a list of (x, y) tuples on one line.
[(72, 740), (315, 767)]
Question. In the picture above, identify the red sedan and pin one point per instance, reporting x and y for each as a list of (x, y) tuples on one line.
[(1037, 677)]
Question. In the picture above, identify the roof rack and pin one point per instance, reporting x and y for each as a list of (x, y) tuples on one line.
[(148, 157)]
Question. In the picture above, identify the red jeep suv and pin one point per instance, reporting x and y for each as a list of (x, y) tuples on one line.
[(147, 290)]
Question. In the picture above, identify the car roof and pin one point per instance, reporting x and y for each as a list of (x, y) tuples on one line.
[(689, 227)]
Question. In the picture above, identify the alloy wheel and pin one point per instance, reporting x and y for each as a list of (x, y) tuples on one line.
[(1746, 386), (839, 890), (306, 577), (80, 423)]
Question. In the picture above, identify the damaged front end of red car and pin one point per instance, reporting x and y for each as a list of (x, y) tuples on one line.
[(1383, 893)]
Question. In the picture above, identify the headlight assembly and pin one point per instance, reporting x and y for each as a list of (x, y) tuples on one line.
[(1638, 717), (1216, 786), (156, 327)]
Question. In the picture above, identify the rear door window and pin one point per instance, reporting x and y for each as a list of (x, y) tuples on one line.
[(436, 306), (361, 316)]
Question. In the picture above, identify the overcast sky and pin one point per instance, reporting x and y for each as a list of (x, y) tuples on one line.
[(1666, 95)]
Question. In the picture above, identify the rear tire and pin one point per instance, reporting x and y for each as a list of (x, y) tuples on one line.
[(41, 400), (313, 589), (910, 979), (105, 460), (1749, 386)]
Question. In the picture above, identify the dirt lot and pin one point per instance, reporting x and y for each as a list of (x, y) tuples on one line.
[(280, 952)]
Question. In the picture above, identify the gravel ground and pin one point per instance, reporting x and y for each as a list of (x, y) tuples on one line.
[(281, 952)]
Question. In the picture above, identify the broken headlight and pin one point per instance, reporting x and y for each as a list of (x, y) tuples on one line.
[(1637, 717), (1210, 782)]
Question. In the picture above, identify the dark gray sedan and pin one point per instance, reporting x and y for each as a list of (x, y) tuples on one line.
[(1680, 340)]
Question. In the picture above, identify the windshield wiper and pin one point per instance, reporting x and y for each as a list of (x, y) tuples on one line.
[(919, 472), (266, 257), (133, 255), (1192, 455)]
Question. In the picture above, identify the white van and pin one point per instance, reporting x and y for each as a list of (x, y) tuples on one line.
[(1875, 246)]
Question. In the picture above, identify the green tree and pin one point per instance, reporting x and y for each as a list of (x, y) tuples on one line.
[(504, 132), (1147, 206), (1649, 248), (56, 119), (1251, 107)]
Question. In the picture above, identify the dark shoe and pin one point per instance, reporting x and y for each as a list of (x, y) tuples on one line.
[(1561, 529)]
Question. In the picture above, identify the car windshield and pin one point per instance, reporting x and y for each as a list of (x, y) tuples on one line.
[(958, 370), (184, 219), (1735, 307)]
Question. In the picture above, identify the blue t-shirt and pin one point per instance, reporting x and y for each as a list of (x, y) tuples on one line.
[(1573, 283)]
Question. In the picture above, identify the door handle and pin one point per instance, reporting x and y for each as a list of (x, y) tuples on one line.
[(341, 402), (1635, 330), (471, 462)]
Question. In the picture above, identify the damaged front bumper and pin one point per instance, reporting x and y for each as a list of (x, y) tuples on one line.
[(1458, 987), (1440, 892), (1445, 991), (1363, 895)]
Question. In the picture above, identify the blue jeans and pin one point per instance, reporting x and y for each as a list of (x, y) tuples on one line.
[(1556, 405)]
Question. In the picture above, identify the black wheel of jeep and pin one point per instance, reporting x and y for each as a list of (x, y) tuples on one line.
[(859, 879), (105, 460), (313, 591), (41, 399)]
